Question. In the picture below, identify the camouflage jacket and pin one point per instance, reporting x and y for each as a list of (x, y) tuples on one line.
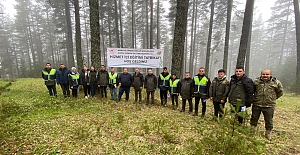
[(266, 92)]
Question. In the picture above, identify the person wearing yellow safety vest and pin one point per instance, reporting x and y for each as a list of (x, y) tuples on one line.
[(113, 82), (74, 81), (49, 76), (201, 90), (174, 90), (163, 85)]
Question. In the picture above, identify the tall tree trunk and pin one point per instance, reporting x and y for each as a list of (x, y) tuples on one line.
[(245, 33), (151, 24), (121, 24), (71, 61), (109, 30), (86, 37), (50, 37), (147, 25), (284, 36), (158, 27), (78, 36), (95, 33), (31, 47), (132, 24), (179, 36), (211, 21), (247, 65), (117, 24), (297, 21), (195, 40), (228, 23), (192, 39)]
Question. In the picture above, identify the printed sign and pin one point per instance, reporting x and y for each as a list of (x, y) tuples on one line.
[(135, 58)]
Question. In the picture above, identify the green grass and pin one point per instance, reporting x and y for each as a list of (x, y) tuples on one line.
[(31, 122)]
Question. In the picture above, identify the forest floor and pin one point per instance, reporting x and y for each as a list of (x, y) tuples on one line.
[(31, 122)]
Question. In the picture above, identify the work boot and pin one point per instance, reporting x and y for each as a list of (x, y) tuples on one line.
[(195, 114), (268, 134)]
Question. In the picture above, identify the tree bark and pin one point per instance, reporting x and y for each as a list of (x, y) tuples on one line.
[(247, 65), (95, 33), (78, 36), (69, 35), (191, 58), (228, 23), (151, 24), (245, 33), (117, 24), (211, 21), (132, 24), (284, 36), (147, 25), (297, 21), (157, 29), (179, 36), (121, 24)]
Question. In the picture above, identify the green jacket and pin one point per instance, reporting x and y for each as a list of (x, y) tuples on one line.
[(266, 92), (219, 89)]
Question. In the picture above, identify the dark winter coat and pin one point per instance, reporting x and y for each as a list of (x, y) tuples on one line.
[(84, 77), (219, 89), (164, 85), (103, 78), (186, 87), (138, 80), (241, 89), (125, 80), (62, 76), (49, 80), (93, 76), (150, 82)]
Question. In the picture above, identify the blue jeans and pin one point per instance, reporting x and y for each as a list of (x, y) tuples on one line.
[(121, 91), (93, 88), (112, 92), (197, 101)]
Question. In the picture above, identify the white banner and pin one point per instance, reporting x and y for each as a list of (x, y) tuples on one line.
[(135, 58)]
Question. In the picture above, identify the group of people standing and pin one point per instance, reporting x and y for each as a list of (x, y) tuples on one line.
[(241, 91)]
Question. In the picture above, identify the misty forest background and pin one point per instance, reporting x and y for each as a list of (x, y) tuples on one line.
[(77, 33)]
